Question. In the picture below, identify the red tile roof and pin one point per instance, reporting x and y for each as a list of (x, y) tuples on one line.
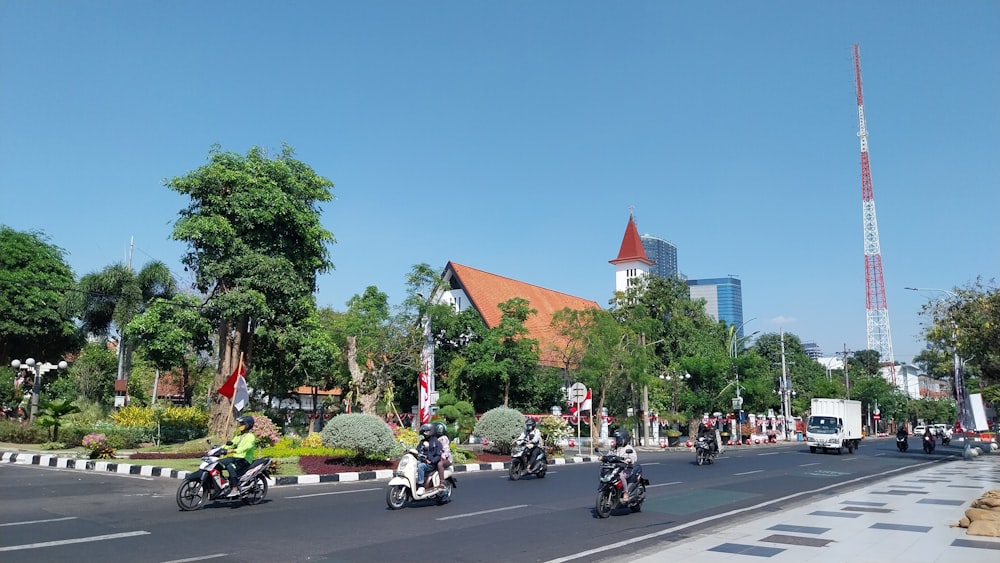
[(631, 248), (486, 291)]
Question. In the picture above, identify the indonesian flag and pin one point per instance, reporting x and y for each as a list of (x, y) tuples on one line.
[(235, 388), (427, 371)]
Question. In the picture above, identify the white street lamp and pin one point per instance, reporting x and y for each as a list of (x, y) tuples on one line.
[(37, 370)]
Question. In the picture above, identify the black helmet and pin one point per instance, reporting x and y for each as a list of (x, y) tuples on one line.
[(246, 421), (530, 424), (427, 430), (440, 429), (621, 438)]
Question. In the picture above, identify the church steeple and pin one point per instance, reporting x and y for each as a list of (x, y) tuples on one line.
[(632, 263)]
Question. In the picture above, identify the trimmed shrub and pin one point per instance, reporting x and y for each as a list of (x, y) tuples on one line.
[(498, 427), (22, 433), (366, 434)]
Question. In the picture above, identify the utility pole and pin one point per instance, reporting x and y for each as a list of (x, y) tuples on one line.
[(847, 377)]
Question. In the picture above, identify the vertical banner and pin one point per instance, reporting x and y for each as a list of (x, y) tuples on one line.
[(426, 372)]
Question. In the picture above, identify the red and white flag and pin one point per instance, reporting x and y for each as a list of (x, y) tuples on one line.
[(235, 388)]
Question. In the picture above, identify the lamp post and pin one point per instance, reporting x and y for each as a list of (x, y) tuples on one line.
[(676, 378), (961, 395), (37, 370), (735, 344)]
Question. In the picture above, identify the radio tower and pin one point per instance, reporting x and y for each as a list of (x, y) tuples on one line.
[(877, 309)]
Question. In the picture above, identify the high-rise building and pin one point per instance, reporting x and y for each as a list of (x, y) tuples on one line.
[(723, 298), (812, 350), (664, 253)]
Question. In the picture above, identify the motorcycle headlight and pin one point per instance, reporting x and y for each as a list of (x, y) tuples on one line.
[(403, 463)]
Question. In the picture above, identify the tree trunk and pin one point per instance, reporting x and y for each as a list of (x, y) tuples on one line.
[(366, 401), (231, 343)]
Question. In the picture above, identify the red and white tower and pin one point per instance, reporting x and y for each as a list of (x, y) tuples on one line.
[(877, 309)]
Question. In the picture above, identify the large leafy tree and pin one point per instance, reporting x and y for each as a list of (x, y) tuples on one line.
[(967, 321), (174, 335), (109, 299), (255, 246), (36, 319)]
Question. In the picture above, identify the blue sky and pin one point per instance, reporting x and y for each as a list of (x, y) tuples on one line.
[(515, 136)]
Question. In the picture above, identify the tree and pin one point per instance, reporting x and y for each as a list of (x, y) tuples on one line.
[(503, 358), (255, 246), (968, 322), (174, 334), (111, 298), (94, 373), (36, 319)]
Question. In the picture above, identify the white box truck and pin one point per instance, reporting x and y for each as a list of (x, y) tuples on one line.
[(834, 424)]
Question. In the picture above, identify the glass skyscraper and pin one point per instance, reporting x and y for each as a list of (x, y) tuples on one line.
[(723, 298), (663, 252)]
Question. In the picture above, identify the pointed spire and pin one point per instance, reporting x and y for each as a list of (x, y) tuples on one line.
[(631, 249)]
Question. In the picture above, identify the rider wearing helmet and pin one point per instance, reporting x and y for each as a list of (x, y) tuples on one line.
[(623, 449), (707, 430), (242, 448), (429, 453), (531, 435), (441, 432)]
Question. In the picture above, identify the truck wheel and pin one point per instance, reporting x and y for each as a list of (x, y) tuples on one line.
[(812, 449), (850, 448)]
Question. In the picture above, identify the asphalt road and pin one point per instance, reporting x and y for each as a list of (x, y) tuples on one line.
[(76, 516)]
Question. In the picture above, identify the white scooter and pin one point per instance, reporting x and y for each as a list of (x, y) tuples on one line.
[(403, 486)]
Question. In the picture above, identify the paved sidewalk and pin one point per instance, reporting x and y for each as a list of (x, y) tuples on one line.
[(908, 518)]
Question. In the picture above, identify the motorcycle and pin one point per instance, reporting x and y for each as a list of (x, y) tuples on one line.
[(612, 485), (703, 452), (207, 483), (403, 486), (928, 444), (902, 442), (520, 454), (945, 439)]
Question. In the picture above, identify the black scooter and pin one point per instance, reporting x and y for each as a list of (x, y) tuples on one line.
[(929, 443), (902, 442)]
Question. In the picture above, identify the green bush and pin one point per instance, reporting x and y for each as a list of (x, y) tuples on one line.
[(126, 437), (289, 447), (182, 424), (22, 432), (366, 434), (73, 434), (498, 427)]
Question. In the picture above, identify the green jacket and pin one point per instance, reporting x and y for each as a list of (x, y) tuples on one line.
[(243, 446)]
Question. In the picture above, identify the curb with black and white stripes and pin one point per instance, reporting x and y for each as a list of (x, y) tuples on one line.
[(44, 460)]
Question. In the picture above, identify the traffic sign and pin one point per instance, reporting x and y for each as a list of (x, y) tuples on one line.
[(876, 417), (577, 392)]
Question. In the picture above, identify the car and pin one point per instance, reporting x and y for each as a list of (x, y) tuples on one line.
[(942, 429), (918, 430)]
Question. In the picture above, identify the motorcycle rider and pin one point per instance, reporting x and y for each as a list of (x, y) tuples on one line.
[(242, 448), (902, 432), (532, 435), (429, 454), (623, 449), (441, 432), (707, 430), (928, 435)]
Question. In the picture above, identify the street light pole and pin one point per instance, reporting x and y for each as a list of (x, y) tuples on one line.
[(36, 386), (734, 345), (961, 395)]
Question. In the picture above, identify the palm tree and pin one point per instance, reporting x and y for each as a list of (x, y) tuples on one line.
[(112, 297)]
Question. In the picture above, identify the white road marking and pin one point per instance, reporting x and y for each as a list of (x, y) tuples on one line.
[(770, 453), (808, 464), (74, 540), (189, 559), (482, 512), (664, 484), (335, 493), (750, 472), (39, 521)]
